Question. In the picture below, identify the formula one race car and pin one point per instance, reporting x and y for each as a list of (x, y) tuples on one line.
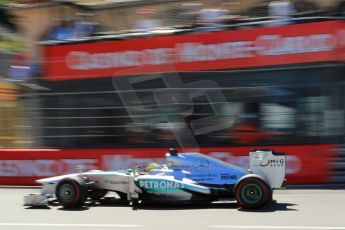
[(186, 177)]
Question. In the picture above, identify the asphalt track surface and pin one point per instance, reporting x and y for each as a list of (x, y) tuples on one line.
[(304, 209)]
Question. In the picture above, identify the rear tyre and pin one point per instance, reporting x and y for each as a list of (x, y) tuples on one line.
[(253, 193), (71, 192)]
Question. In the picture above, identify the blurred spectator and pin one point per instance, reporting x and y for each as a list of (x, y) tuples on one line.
[(305, 6), (189, 14), (7, 20), (64, 30), (84, 27), (213, 18), (148, 20), (281, 13), (20, 70)]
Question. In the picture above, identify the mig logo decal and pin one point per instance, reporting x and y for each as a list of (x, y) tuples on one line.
[(272, 163)]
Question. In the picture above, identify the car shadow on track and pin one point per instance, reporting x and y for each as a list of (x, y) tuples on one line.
[(168, 207), (273, 207), (39, 207), (84, 208), (111, 203)]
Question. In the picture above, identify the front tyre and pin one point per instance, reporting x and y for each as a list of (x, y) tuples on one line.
[(252, 193), (71, 192)]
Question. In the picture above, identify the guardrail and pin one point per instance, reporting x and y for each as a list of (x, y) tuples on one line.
[(338, 165)]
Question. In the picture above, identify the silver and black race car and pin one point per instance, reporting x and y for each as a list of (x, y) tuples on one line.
[(186, 177)]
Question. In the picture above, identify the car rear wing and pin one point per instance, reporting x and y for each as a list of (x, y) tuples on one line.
[(270, 165)]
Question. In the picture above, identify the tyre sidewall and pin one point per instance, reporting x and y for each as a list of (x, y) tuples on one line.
[(256, 182), (79, 192)]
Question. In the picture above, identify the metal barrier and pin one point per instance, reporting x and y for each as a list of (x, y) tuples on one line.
[(339, 165)]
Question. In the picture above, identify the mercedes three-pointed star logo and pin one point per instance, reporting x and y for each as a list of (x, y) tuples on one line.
[(201, 164)]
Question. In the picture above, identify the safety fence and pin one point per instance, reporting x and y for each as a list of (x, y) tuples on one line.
[(338, 165)]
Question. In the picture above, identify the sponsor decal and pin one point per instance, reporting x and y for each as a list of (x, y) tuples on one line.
[(185, 167), (228, 177), (44, 168), (115, 182), (150, 184), (201, 164), (264, 163), (272, 45), (201, 177), (223, 50), (272, 162), (265, 45)]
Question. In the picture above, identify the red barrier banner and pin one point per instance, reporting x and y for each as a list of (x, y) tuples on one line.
[(306, 164), (299, 43)]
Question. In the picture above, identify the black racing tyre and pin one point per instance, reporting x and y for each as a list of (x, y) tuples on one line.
[(97, 194), (71, 192), (252, 193)]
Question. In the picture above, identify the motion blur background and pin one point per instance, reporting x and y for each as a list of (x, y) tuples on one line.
[(289, 97)]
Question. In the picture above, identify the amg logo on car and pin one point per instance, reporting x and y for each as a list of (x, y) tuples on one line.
[(160, 184), (272, 163)]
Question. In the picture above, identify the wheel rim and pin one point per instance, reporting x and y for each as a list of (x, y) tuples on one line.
[(251, 193), (66, 193)]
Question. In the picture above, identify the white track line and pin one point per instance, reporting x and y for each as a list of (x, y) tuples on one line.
[(278, 227), (72, 225)]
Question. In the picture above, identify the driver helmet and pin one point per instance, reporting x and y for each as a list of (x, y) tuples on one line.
[(151, 166)]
